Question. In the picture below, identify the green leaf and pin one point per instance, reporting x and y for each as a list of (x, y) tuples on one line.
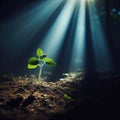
[(50, 62), (66, 96), (39, 52), (32, 66), (43, 56), (33, 61)]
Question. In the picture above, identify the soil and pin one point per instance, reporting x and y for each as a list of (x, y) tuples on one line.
[(71, 98)]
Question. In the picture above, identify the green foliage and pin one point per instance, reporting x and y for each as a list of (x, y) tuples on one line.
[(33, 61), (39, 52), (39, 61), (66, 96), (32, 66), (43, 56), (50, 62)]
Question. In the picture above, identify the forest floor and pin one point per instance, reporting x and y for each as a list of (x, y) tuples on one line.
[(70, 98)]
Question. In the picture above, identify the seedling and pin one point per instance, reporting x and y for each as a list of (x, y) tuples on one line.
[(40, 61)]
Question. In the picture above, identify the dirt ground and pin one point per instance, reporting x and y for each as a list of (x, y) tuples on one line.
[(70, 98)]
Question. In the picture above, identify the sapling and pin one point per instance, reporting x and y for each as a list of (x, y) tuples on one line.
[(40, 61)]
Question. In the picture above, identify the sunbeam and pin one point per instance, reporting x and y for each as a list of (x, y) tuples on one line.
[(77, 60), (55, 36), (22, 28), (101, 51), (17, 32)]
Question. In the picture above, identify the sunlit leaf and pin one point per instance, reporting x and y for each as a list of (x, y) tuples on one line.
[(32, 66), (33, 61), (50, 62), (39, 52)]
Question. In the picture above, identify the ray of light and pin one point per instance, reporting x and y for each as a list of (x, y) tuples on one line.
[(55, 36), (21, 28), (18, 31), (101, 51), (77, 60)]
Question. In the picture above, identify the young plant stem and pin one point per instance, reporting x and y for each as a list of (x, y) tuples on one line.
[(40, 72)]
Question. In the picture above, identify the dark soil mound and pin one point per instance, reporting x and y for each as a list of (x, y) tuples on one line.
[(71, 98)]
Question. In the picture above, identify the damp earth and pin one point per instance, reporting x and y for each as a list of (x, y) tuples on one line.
[(70, 98)]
